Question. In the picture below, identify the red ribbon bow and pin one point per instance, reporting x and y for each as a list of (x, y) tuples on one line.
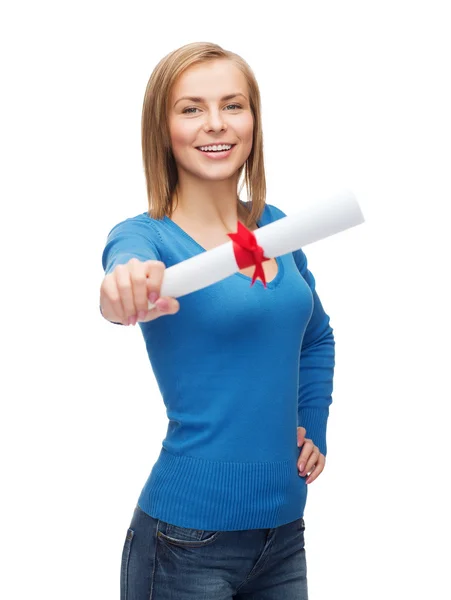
[(248, 252)]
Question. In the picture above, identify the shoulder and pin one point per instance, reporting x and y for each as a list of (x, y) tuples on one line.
[(270, 212), (131, 237), (275, 212), (141, 224)]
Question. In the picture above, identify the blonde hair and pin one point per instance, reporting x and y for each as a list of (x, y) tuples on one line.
[(159, 163)]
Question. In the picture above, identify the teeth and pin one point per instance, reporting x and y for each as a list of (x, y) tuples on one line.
[(216, 148)]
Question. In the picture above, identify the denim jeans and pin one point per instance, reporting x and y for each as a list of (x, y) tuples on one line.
[(161, 561)]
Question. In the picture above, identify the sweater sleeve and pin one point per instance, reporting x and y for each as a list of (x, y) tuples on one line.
[(128, 239), (316, 366), (316, 362)]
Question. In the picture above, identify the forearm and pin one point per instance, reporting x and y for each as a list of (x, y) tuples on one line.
[(316, 372)]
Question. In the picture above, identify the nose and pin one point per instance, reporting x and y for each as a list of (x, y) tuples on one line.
[(214, 121)]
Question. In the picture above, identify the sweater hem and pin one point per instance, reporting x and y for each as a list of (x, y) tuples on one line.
[(223, 496)]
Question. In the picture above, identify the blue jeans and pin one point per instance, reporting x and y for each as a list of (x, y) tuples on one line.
[(161, 561)]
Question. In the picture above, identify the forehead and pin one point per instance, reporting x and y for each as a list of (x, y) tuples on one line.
[(210, 80)]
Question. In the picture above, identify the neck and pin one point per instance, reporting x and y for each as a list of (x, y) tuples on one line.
[(213, 204)]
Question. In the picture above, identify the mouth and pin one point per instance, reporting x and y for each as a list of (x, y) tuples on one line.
[(216, 154)]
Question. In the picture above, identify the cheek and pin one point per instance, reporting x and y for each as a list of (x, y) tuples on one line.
[(245, 126), (181, 134)]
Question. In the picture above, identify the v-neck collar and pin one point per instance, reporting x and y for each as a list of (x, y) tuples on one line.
[(185, 234), (270, 284)]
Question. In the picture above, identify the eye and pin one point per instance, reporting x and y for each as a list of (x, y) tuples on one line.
[(192, 108)]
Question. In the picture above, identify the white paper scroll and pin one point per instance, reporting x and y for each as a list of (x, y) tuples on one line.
[(314, 222)]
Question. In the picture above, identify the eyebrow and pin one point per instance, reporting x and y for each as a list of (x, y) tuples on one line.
[(199, 99)]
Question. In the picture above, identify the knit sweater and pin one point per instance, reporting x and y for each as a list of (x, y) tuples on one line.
[(239, 368)]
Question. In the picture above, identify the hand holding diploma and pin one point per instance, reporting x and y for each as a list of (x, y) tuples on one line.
[(246, 248)]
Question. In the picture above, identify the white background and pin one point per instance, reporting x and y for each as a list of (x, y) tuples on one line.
[(355, 95)]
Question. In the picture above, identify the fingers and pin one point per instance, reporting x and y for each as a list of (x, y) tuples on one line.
[(309, 457), (154, 272), (310, 460), (165, 306), (147, 278), (315, 470), (125, 304), (301, 435), (125, 293), (305, 455), (144, 277), (110, 298)]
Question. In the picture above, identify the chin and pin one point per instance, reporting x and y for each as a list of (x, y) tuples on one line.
[(216, 177)]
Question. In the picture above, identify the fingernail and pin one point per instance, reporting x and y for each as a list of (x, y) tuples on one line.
[(142, 314), (162, 304), (153, 296), (301, 467)]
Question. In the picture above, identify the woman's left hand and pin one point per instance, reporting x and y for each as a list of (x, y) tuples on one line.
[(310, 459)]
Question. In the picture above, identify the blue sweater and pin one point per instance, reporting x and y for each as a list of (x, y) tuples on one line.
[(239, 368)]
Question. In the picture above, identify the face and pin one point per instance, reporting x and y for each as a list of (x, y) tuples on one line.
[(208, 118)]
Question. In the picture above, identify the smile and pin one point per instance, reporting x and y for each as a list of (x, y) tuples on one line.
[(215, 153)]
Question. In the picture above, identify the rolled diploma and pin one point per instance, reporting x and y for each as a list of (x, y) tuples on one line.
[(315, 222)]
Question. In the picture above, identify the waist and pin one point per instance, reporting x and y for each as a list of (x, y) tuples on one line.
[(223, 495)]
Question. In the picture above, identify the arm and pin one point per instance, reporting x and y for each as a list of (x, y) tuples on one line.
[(128, 239), (316, 366), (316, 362)]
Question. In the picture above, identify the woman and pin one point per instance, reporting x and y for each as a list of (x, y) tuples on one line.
[(245, 371)]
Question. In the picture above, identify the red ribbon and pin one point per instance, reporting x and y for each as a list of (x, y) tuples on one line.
[(248, 252)]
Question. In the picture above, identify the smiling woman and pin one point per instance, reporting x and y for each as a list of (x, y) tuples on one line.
[(202, 95), (211, 122), (243, 370)]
